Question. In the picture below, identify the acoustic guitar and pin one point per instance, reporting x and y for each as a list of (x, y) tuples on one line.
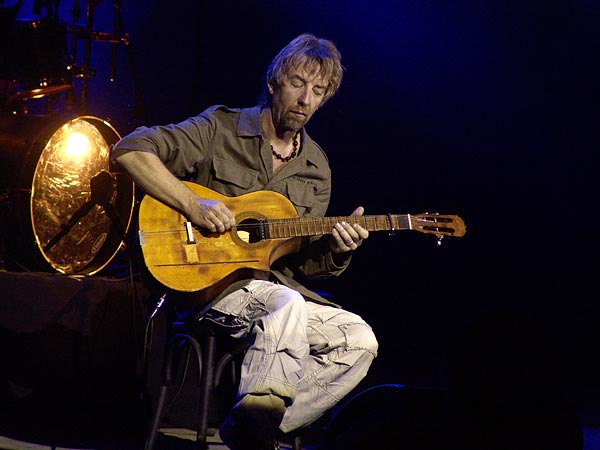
[(187, 258)]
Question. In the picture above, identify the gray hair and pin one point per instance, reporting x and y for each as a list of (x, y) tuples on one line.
[(320, 55)]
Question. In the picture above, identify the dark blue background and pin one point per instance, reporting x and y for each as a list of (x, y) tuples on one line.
[(488, 110)]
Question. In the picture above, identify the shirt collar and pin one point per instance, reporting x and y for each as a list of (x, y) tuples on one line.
[(249, 123)]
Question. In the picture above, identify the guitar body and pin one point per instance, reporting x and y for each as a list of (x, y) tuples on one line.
[(211, 260)]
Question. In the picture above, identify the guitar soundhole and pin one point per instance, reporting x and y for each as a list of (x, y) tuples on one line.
[(249, 231)]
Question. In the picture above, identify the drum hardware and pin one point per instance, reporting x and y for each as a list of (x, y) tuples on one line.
[(89, 35), (102, 190), (81, 32), (43, 91), (36, 57)]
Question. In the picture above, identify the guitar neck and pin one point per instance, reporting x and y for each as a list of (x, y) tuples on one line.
[(316, 226)]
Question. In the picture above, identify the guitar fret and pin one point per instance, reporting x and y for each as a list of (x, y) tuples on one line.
[(377, 223), (285, 229), (275, 230), (372, 225), (265, 233), (280, 230)]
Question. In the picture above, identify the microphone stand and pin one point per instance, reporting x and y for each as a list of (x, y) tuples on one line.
[(102, 187)]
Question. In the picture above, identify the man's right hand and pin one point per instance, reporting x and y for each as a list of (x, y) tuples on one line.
[(212, 214)]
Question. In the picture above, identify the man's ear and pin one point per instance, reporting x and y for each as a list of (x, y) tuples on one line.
[(270, 87)]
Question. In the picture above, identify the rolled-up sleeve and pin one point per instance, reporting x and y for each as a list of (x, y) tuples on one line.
[(179, 146)]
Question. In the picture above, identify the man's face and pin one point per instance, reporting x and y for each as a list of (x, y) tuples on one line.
[(296, 98)]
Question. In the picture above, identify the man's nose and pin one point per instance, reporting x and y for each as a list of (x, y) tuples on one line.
[(305, 97)]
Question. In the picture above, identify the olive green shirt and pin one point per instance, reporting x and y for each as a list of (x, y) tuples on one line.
[(224, 149)]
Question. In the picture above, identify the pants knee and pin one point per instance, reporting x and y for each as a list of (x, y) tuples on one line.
[(361, 336), (286, 297)]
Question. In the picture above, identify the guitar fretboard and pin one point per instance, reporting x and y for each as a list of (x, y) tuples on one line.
[(316, 226)]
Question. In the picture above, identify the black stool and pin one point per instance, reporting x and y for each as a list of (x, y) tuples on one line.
[(201, 340)]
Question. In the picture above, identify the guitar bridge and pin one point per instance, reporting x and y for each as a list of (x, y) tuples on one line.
[(189, 232)]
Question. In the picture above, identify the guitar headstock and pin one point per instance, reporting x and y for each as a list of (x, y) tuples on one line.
[(438, 224)]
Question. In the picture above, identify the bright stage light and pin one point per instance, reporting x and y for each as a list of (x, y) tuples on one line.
[(78, 145)]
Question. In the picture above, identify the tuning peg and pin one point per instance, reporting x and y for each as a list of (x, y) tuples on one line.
[(439, 238)]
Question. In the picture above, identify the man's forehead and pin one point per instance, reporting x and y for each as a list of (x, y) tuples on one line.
[(308, 72)]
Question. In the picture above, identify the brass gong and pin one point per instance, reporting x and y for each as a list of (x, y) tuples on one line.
[(69, 212)]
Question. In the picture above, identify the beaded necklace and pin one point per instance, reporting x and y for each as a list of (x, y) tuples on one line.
[(291, 155)]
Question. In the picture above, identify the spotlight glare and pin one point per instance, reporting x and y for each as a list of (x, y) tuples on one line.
[(78, 145)]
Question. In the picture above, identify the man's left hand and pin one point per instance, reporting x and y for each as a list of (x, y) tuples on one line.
[(346, 237)]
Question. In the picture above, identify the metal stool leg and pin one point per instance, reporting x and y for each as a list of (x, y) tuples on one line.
[(207, 385), (297, 443), (153, 434), (173, 350)]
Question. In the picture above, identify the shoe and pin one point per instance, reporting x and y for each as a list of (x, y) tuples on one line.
[(253, 423)]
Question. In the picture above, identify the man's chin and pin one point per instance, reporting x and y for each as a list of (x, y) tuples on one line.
[(294, 125)]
